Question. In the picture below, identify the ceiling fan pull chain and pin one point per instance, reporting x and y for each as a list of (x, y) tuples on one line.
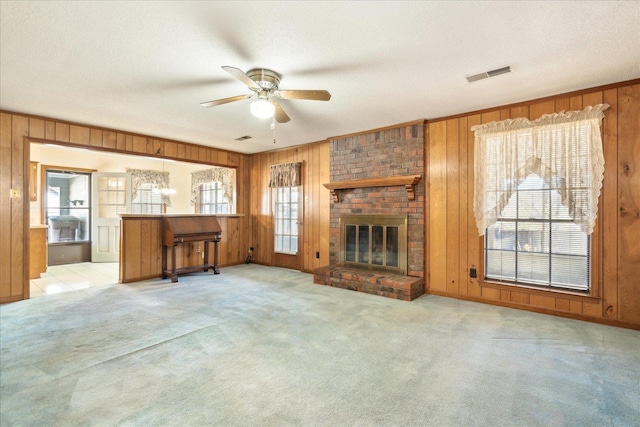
[(273, 127)]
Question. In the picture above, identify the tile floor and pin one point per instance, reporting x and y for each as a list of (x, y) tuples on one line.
[(70, 277)]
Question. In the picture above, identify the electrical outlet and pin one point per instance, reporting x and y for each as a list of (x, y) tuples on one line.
[(473, 273), (317, 255)]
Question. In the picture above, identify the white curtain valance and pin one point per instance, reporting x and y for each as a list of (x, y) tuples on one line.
[(285, 175), (222, 175), (148, 176), (565, 147)]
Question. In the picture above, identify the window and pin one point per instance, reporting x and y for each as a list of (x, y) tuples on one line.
[(212, 199), (536, 193), (150, 191), (111, 196), (284, 180), (286, 220), (535, 241), (212, 190), (68, 206), (148, 200)]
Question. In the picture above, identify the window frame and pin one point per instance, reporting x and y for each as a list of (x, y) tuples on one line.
[(219, 194), (521, 290), (85, 222), (547, 220), (293, 222), (551, 298), (143, 190)]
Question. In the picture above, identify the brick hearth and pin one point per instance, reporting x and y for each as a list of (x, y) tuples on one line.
[(384, 284)]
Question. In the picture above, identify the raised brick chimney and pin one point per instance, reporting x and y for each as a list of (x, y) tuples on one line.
[(367, 159)]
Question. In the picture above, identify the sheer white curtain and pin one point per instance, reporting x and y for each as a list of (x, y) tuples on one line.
[(564, 149)]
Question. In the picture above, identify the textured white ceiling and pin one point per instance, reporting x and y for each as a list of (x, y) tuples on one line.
[(145, 66)]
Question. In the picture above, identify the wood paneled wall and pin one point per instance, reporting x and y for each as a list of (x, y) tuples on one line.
[(17, 131), (142, 247), (14, 212), (453, 245), (452, 242), (315, 215)]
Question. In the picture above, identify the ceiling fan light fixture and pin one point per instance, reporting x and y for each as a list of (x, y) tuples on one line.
[(265, 84), (262, 109)]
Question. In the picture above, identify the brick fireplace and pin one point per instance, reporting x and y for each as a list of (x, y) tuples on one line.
[(377, 174)]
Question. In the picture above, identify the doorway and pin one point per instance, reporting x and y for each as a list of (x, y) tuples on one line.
[(66, 199), (112, 198), (286, 214), (105, 236)]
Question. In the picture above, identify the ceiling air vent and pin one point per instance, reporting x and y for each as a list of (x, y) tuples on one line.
[(488, 74), (242, 138)]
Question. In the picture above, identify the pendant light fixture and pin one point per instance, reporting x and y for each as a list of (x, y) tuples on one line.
[(164, 188)]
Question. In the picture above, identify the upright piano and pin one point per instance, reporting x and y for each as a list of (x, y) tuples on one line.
[(184, 229)]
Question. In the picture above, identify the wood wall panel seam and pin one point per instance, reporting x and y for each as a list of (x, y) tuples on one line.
[(19, 211), (610, 208)]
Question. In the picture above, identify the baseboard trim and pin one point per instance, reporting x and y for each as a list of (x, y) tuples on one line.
[(575, 316)]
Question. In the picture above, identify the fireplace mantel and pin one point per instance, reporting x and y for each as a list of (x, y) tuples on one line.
[(408, 181)]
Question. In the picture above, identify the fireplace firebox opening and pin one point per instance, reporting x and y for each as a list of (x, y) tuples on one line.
[(377, 242)]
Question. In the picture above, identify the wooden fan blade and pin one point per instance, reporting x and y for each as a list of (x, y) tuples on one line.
[(240, 75), (314, 95), (280, 115), (224, 101)]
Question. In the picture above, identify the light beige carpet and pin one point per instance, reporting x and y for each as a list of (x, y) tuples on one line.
[(259, 346)]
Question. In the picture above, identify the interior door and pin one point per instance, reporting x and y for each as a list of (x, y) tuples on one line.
[(67, 212), (287, 216), (112, 198)]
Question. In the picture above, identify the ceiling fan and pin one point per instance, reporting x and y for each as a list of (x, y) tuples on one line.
[(265, 86)]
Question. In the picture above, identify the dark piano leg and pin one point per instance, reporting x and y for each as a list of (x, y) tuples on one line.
[(206, 256), (164, 261), (216, 270), (174, 276)]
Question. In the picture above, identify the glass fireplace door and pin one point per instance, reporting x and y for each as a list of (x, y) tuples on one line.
[(374, 241)]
